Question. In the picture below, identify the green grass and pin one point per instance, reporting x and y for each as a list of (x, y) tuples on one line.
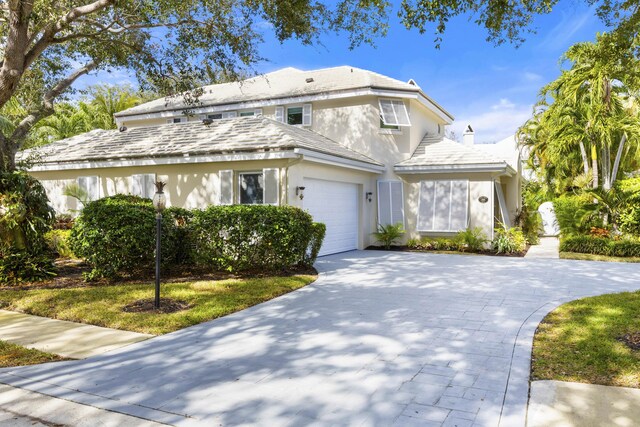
[(591, 257), (102, 305), (579, 342), (16, 355)]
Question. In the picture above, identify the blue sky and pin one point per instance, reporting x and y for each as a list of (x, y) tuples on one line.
[(492, 88)]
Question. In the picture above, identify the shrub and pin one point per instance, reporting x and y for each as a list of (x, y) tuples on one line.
[(388, 234), (58, 242), (63, 222), (601, 246), (509, 240), (117, 234), (444, 244), (250, 237), (530, 222), (569, 210), (471, 239), (25, 218), (630, 219)]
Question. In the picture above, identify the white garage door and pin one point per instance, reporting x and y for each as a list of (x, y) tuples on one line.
[(336, 205)]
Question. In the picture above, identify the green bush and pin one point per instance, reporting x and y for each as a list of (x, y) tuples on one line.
[(630, 220), (58, 242), (117, 234), (471, 239), (569, 210), (389, 234), (509, 240), (25, 218), (254, 237), (601, 246)]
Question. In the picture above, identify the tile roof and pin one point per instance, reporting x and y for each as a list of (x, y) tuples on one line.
[(287, 82), (243, 134), (438, 151)]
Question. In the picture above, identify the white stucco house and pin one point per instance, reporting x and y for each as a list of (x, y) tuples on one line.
[(352, 147)]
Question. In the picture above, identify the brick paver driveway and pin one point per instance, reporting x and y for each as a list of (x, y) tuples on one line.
[(380, 339)]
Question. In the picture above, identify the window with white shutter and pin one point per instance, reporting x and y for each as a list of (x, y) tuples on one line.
[(143, 185), (390, 203), (393, 112), (443, 205), (306, 115), (271, 186), (280, 114), (90, 186), (177, 120), (226, 187)]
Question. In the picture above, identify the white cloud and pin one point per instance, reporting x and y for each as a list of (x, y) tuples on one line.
[(495, 122), (531, 77)]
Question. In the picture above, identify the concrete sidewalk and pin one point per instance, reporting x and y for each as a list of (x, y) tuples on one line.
[(548, 248), (566, 404), (67, 339)]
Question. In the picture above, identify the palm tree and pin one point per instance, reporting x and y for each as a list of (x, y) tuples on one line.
[(106, 100)]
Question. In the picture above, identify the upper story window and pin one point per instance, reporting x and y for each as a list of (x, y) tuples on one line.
[(393, 112), (224, 115), (177, 120), (297, 115), (388, 127)]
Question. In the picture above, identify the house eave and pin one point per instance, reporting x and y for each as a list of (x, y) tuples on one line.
[(317, 157), (418, 95), (500, 169), (155, 161)]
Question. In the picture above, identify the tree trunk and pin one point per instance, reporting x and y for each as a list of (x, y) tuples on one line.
[(7, 155), (606, 167), (616, 163), (594, 166), (585, 159)]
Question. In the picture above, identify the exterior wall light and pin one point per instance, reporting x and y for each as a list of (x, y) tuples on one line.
[(159, 203), (483, 199), (368, 195), (300, 192)]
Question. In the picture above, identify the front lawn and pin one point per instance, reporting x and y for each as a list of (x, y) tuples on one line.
[(103, 305), (592, 257), (593, 340), (16, 355)]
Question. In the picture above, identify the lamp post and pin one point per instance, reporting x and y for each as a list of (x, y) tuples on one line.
[(159, 203)]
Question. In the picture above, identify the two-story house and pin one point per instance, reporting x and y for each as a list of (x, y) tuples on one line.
[(353, 147)]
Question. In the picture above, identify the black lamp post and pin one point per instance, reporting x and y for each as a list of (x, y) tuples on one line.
[(159, 203)]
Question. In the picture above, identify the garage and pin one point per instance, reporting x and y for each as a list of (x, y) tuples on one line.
[(336, 205)]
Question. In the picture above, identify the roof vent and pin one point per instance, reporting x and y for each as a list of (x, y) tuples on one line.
[(207, 121), (309, 80), (123, 128)]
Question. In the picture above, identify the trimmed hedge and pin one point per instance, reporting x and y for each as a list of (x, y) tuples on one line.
[(600, 246), (254, 237), (118, 234)]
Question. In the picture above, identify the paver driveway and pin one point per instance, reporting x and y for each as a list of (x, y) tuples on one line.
[(381, 338)]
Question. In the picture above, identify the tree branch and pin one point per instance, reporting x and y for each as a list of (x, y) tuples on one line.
[(46, 108)]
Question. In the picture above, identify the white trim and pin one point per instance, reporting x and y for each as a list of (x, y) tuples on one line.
[(165, 161), (503, 169), (417, 95), (398, 108), (314, 156)]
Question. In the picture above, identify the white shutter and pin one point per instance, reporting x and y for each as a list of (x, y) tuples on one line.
[(149, 185), (394, 112), (504, 212), (169, 121), (226, 187), (384, 202), (426, 205), (390, 203), (137, 185), (306, 115), (257, 112), (280, 114), (90, 185), (271, 184), (230, 115), (397, 203), (442, 203), (459, 205)]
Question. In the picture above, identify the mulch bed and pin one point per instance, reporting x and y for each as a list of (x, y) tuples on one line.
[(483, 252), (631, 340), (70, 276), (167, 305)]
